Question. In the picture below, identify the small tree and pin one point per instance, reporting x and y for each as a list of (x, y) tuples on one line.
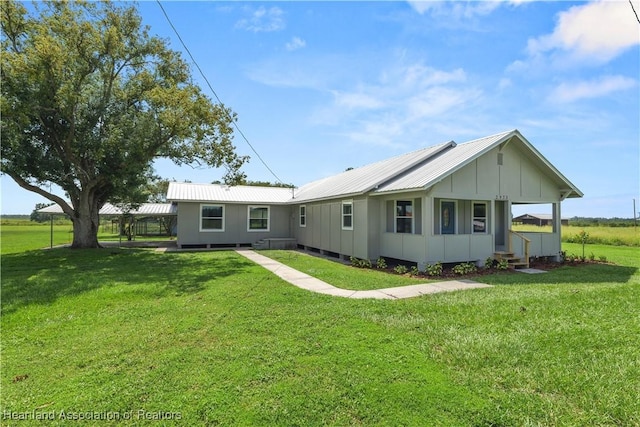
[(583, 237)]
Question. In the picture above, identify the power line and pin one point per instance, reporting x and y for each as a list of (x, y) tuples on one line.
[(215, 94), (634, 12)]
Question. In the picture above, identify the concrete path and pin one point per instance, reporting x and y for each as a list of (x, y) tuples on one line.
[(304, 281)]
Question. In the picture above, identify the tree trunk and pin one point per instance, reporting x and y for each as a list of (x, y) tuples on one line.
[(85, 225)]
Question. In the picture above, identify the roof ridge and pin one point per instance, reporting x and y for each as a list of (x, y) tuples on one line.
[(442, 148), (495, 135)]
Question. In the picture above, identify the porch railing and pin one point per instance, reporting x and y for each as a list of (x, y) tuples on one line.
[(526, 245)]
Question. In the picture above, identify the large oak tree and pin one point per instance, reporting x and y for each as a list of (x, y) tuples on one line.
[(90, 99)]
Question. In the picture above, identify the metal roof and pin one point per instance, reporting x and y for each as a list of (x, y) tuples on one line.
[(417, 170), (146, 209), (430, 172), (407, 172), (188, 192), (439, 167), (366, 178)]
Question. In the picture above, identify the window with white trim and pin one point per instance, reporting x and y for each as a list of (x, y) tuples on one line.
[(258, 218), (303, 216), (404, 216), (347, 215), (479, 217), (211, 217)]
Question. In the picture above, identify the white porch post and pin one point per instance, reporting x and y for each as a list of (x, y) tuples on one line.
[(557, 227), (492, 223)]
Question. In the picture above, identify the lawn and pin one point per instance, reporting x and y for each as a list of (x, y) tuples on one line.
[(19, 236), (208, 338)]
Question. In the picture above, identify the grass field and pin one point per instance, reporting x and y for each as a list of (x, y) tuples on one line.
[(209, 338), (613, 236), (28, 235)]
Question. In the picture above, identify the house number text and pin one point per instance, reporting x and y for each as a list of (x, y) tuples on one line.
[(502, 197)]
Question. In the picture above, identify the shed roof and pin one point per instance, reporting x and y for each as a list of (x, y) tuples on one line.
[(534, 216), (146, 209), (188, 192)]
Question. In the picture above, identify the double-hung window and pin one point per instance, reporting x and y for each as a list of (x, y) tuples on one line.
[(404, 216), (303, 216), (479, 217), (258, 218), (347, 215), (211, 217)]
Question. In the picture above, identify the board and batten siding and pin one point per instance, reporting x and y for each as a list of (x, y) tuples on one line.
[(517, 179), (324, 229), (235, 227)]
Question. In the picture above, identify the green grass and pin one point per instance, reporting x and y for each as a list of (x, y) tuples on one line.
[(615, 236), (20, 236), (341, 275), (221, 341), (16, 238)]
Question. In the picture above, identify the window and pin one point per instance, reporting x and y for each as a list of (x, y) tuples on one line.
[(347, 215), (303, 216), (404, 216), (258, 218), (479, 217), (211, 218)]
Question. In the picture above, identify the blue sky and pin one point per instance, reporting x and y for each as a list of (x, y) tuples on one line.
[(322, 86)]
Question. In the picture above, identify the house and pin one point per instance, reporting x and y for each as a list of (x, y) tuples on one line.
[(446, 203), (537, 219)]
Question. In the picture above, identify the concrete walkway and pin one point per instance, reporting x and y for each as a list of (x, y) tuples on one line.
[(304, 281)]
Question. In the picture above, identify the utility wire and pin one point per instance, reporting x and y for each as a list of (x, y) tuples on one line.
[(634, 12), (215, 94)]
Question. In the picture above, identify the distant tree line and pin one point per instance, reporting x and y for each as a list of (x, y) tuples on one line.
[(606, 222)]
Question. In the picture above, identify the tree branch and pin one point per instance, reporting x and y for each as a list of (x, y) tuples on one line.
[(28, 186)]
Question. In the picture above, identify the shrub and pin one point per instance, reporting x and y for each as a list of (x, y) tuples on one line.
[(465, 268), (489, 263), (414, 271), (434, 269), (503, 264), (602, 258), (400, 269), (381, 263), (360, 263)]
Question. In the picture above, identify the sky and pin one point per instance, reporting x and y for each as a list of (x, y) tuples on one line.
[(319, 87)]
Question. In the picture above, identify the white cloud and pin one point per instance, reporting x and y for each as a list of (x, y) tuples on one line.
[(597, 31), (357, 100), (460, 9), (295, 44), (404, 103), (263, 20), (574, 91)]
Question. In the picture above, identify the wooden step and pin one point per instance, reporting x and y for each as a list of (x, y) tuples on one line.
[(513, 260), (504, 256), (519, 264)]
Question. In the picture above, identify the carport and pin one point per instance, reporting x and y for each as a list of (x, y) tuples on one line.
[(166, 211)]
